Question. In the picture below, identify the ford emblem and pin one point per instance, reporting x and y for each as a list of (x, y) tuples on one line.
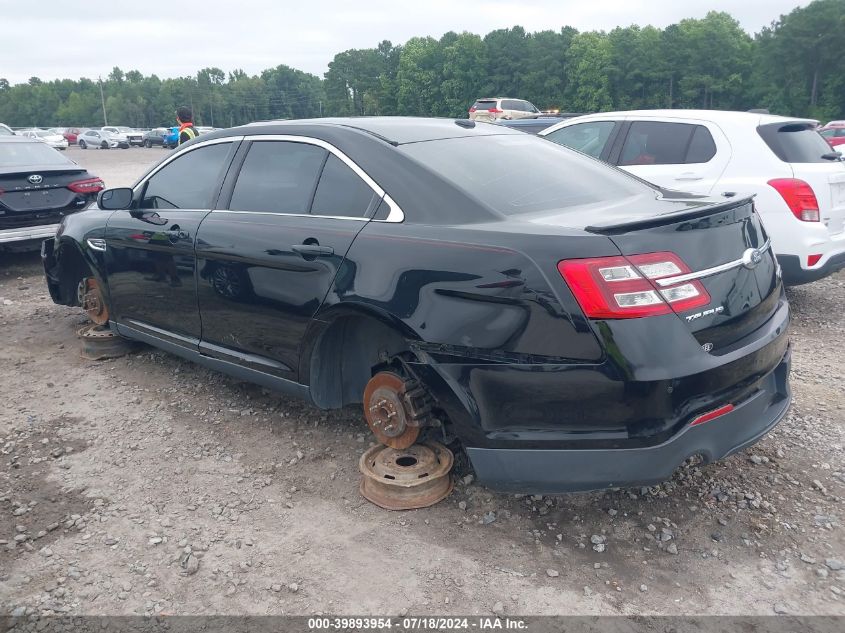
[(751, 258)]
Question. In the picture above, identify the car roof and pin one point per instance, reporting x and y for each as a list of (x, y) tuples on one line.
[(717, 116), (395, 130)]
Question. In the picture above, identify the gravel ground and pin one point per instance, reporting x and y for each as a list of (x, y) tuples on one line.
[(148, 485)]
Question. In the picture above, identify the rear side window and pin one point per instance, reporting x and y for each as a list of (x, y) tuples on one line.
[(341, 192), (795, 142), (189, 181), (656, 143), (278, 177), (511, 104), (701, 147), (588, 138)]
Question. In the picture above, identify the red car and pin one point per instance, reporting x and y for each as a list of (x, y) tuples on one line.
[(71, 133), (834, 133)]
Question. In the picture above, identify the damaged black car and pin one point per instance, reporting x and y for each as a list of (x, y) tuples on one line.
[(571, 326)]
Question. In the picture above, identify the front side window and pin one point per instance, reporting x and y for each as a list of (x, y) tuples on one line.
[(278, 177), (188, 182), (341, 192), (588, 138)]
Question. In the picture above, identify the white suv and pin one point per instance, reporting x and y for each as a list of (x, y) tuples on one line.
[(798, 180)]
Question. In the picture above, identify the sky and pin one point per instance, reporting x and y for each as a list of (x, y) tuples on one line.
[(170, 39)]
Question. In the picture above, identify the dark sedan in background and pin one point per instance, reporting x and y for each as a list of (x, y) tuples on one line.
[(570, 326), (154, 137), (38, 188)]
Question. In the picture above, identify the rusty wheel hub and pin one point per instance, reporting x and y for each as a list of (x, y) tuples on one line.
[(406, 479), (93, 302), (100, 343), (386, 413)]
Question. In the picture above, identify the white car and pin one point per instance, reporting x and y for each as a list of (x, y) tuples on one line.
[(101, 140), (5, 130), (798, 180), (54, 140), (133, 137)]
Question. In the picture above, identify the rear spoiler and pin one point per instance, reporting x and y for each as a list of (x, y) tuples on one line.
[(646, 222)]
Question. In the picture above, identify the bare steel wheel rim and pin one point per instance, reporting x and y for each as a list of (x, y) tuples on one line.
[(406, 479), (99, 342)]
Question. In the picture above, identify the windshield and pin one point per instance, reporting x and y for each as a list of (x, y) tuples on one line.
[(795, 142), (31, 153), (516, 174)]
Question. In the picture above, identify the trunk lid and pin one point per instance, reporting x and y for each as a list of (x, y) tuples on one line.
[(718, 240), (19, 195)]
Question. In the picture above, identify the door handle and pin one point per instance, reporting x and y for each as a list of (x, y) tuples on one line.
[(177, 234), (312, 250), (689, 176)]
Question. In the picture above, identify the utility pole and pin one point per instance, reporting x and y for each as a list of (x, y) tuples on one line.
[(103, 101), (321, 107)]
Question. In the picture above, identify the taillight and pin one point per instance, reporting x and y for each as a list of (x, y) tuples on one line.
[(89, 185), (799, 197), (622, 287), (472, 109)]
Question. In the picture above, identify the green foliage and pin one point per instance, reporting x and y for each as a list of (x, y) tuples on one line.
[(795, 66)]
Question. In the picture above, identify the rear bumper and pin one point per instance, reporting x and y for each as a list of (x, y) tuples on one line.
[(28, 233), (539, 471), (794, 275)]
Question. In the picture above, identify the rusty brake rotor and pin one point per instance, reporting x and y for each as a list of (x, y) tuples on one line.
[(385, 411), (93, 302), (406, 479)]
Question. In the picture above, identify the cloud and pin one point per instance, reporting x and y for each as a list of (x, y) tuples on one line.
[(65, 42)]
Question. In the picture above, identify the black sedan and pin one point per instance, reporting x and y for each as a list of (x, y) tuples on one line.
[(38, 187), (154, 137), (571, 326)]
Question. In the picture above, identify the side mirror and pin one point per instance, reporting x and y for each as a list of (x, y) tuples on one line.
[(115, 199)]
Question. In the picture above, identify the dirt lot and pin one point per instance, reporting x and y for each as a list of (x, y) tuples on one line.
[(149, 485)]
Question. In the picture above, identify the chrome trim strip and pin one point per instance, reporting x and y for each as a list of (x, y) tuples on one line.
[(395, 215), (709, 272), (296, 215)]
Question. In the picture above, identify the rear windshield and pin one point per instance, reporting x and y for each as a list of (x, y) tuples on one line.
[(484, 104), (35, 153), (517, 174), (795, 142)]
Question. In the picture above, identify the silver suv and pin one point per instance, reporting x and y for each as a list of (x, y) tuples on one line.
[(496, 108)]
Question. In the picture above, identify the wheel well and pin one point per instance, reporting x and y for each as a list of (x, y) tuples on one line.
[(72, 268), (344, 358)]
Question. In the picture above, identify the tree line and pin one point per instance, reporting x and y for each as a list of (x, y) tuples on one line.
[(795, 66)]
